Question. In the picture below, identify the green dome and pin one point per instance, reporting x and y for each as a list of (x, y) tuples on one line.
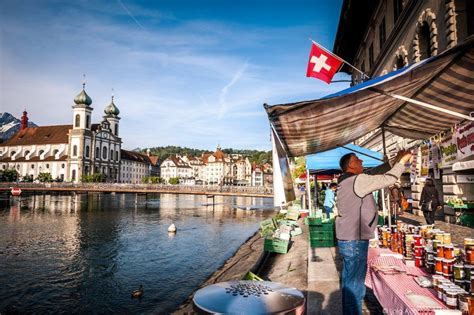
[(83, 98), (111, 109)]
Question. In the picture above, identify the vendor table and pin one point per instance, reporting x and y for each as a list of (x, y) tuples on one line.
[(399, 293), (248, 297)]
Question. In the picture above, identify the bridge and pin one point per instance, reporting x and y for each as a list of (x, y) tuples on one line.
[(209, 190)]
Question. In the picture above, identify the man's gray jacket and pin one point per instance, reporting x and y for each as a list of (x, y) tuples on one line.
[(357, 211)]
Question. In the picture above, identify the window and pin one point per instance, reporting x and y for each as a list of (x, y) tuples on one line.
[(87, 151), (78, 121), (27, 152), (32, 166), (74, 150), (63, 165), (73, 176), (3, 166), (40, 152), (111, 154), (88, 121), (47, 165), (382, 33), (104, 153), (116, 130), (97, 153), (397, 9), (55, 152), (425, 48), (116, 155)]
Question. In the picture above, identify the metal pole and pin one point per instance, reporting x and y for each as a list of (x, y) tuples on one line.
[(308, 191), (383, 143)]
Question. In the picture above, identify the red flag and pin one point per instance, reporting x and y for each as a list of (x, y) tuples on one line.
[(322, 64)]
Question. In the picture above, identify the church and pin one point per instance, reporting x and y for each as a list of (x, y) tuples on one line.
[(67, 152)]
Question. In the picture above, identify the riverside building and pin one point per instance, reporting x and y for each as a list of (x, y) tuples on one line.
[(67, 152)]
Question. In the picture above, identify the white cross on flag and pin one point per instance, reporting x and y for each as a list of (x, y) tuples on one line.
[(322, 64)]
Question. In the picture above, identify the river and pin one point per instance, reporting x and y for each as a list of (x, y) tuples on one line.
[(87, 253)]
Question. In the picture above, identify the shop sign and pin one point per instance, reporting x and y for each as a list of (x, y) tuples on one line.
[(425, 160), (465, 140), (448, 149)]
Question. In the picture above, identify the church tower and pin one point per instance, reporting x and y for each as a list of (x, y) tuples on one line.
[(80, 137), (111, 115)]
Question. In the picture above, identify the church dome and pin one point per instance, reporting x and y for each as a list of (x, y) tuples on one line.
[(111, 109), (83, 98)]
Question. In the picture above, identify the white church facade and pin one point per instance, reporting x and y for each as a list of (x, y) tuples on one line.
[(67, 152)]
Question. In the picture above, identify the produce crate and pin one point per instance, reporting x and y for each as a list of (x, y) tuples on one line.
[(322, 227), (322, 243), (275, 245), (321, 235), (313, 220)]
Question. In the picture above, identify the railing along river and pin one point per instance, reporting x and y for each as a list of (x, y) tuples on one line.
[(254, 191)]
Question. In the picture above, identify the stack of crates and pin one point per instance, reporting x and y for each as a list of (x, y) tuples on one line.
[(321, 233)]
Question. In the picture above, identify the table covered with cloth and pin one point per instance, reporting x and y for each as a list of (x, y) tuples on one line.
[(399, 293)]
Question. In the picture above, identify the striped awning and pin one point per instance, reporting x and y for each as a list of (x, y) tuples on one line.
[(445, 81)]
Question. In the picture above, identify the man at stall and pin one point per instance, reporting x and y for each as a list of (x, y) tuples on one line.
[(357, 220)]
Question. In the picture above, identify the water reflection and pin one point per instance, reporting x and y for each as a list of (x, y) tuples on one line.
[(87, 252)]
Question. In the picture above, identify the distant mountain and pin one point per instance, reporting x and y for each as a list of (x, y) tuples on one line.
[(9, 125)]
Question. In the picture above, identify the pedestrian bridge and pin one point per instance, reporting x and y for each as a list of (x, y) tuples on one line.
[(211, 190)]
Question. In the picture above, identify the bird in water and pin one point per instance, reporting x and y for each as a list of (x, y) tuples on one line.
[(138, 293)]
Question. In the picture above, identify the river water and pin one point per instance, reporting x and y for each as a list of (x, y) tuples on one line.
[(87, 253)]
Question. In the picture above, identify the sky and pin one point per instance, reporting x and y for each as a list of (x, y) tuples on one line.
[(186, 73)]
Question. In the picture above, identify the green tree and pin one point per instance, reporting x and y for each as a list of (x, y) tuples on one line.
[(152, 180), (173, 181), (93, 178), (45, 177), (8, 175)]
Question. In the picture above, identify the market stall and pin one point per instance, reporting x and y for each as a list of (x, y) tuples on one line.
[(421, 101)]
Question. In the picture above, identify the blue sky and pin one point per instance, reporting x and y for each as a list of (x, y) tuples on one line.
[(187, 73)]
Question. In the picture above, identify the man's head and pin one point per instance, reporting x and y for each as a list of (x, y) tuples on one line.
[(333, 186), (350, 163)]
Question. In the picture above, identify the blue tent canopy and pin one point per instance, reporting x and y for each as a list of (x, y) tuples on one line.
[(329, 160)]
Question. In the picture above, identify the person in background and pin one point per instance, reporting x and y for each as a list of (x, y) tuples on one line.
[(330, 199), (429, 201), (395, 199), (356, 222)]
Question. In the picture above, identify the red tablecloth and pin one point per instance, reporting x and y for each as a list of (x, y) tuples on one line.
[(392, 290)]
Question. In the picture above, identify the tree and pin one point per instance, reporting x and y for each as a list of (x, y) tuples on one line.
[(152, 180), (173, 181), (45, 177), (93, 178), (8, 175)]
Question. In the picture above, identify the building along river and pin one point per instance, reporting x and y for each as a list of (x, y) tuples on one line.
[(86, 253)]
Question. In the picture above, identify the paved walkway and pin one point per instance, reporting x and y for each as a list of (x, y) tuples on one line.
[(315, 272)]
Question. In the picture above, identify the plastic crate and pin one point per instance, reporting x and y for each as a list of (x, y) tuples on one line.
[(322, 227), (321, 235), (322, 243), (275, 245), (313, 220)]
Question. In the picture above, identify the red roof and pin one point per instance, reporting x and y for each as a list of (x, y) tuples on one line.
[(40, 135)]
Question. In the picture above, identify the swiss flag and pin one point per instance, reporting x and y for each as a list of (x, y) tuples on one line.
[(322, 64)]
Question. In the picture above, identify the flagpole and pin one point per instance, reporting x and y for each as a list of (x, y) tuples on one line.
[(336, 56)]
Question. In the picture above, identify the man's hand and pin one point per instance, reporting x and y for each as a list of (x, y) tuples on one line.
[(403, 156)]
